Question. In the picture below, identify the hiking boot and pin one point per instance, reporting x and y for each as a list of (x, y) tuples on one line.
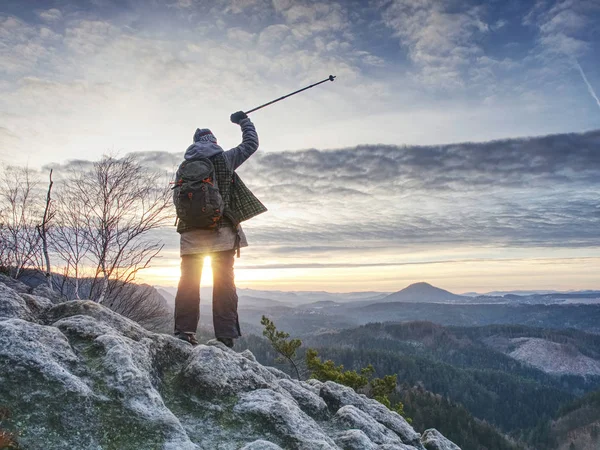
[(187, 337), (227, 341)]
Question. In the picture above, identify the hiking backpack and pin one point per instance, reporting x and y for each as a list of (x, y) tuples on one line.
[(198, 202)]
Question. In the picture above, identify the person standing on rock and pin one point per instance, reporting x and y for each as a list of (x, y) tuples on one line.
[(211, 200)]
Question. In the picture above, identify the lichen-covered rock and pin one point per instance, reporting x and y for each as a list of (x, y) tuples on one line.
[(355, 440), (337, 396), (314, 385), (295, 428), (43, 386), (261, 445), (15, 285), (358, 440), (121, 324), (215, 371), (350, 417), (278, 373), (395, 447), (44, 291), (12, 305), (30, 349), (82, 376), (433, 440), (36, 304), (308, 401), (248, 355), (127, 373)]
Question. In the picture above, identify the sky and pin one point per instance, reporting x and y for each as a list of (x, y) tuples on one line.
[(459, 144)]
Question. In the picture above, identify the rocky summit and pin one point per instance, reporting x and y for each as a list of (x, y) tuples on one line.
[(76, 375)]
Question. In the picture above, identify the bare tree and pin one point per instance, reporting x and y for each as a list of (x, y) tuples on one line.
[(69, 240), (42, 230), (19, 215), (143, 304), (121, 203)]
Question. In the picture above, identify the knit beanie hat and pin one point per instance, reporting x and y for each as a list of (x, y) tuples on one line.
[(204, 135)]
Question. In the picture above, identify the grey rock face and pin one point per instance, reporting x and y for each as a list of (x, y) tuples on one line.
[(285, 418), (308, 401), (98, 312), (44, 291), (337, 396), (350, 417), (37, 304), (15, 285), (433, 440), (31, 348), (395, 447), (248, 354), (355, 440), (212, 371), (261, 445), (77, 375), (12, 305)]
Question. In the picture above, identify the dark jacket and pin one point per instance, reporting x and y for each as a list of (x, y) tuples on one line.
[(240, 203)]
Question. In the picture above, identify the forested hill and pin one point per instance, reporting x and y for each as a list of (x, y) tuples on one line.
[(495, 347), (575, 426), (468, 366), (580, 316), (461, 427)]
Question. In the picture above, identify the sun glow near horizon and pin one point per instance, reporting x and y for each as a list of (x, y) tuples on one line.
[(456, 276), (168, 275)]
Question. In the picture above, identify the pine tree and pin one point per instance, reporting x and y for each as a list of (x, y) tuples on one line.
[(281, 343)]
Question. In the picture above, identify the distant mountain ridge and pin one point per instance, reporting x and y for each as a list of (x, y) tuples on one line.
[(423, 292)]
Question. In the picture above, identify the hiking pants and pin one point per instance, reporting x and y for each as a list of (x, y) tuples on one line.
[(225, 299)]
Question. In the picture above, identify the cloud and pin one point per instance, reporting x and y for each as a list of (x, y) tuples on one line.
[(441, 39), (415, 263), (566, 35), (516, 162), (562, 26), (536, 192), (87, 37), (7, 140), (108, 79), (126, 69), (50, 15), (184, 4), (23, 46), (308, 18)]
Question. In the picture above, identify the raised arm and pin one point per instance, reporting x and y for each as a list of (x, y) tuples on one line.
[(236, 156)]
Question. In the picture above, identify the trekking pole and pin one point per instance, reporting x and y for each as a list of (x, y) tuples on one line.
[(330, 78)]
